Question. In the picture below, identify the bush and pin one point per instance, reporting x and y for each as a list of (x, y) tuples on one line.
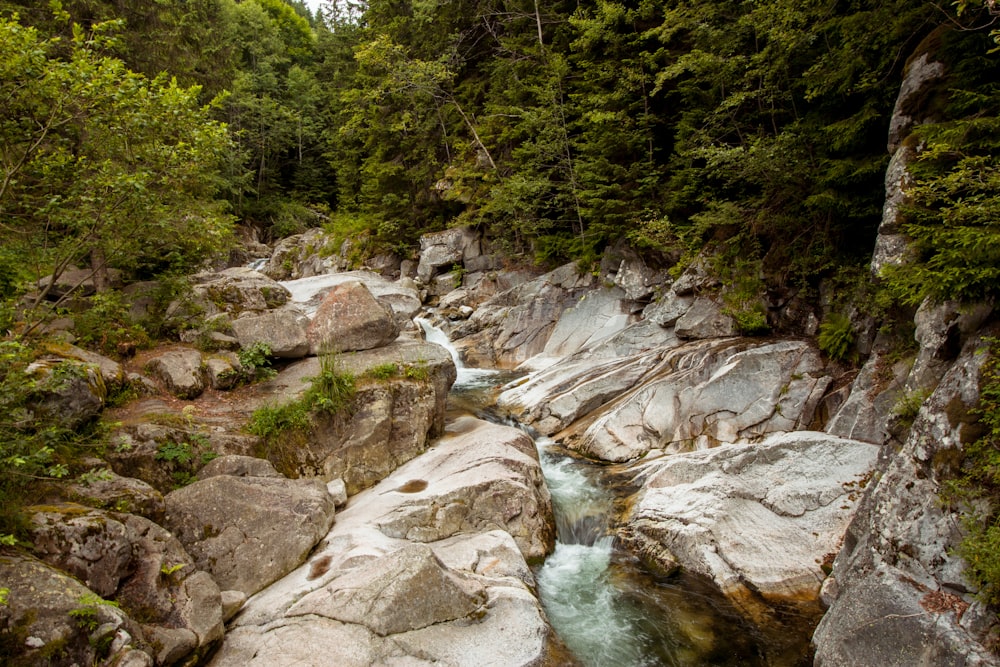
[(836, 337)]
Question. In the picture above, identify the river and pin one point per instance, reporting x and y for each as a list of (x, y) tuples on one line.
[(603, 604)]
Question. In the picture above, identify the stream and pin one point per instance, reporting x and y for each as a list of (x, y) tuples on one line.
[(603, 604)]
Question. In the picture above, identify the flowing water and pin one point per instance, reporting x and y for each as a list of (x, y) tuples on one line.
[(607, 609)]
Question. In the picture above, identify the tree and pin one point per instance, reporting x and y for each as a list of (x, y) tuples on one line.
[(101, 165)]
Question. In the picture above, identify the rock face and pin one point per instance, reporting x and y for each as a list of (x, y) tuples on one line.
[(350, 319), (756, 519), (445, 249), (897, 594), (406, 590), (445, 594), (515, 325), (249, 531), (709, 392), (386, 424)]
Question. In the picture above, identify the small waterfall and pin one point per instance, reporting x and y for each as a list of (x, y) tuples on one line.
[(468, 378)]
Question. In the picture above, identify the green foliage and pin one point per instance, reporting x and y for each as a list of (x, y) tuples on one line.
[(255, 362), (383, 372), (175, 452), (417, 371), (836, 337), (908, 406), (106, 326), (4, 592), (329, 392), (271, 421), (85, 615), (34, 446)]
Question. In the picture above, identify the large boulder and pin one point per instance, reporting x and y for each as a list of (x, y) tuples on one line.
[(705, 393), (237, 290), (49, 615), (349, 319), (457, 597), (401, 296), (756, 519), (138, 564), (387, 423), (66, 392), (282, 330), (484, 476), (405, 590), (303, 256), (704, 319), (897, 593), (249, 531), (104, 489)]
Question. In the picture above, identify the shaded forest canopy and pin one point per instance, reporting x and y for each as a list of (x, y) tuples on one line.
[(753, 133)]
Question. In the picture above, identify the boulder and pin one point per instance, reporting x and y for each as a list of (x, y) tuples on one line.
[(553, 398), (708, 392), (668, 309), (249, 531), (238, 290), (282, 330), (167, 592), (238, 466), (515, 325), (897, 593), (405, 590), (80, 280), (348, 319), (181, 371), (704, 319), (387, 423), (303, 256), (66, 392), (756, 519), (445, 249), (461, 600), (223, 370), (111, 371), (48, 613), (481, 477), (401, 296), (87, 544)]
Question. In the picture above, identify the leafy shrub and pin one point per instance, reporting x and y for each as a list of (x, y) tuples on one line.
[(105, 325), (255, 361), (330, 392), (836, 337)]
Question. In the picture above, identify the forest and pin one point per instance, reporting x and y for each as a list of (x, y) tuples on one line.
[(144, 141), (140, 136)]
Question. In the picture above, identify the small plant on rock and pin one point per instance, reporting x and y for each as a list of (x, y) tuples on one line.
[(836, 337)]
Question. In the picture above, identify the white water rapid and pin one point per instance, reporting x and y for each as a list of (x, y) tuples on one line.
[(601, 605)]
